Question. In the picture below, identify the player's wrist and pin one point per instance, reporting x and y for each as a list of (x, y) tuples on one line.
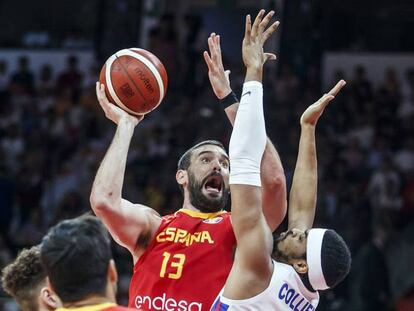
[(307, 126), (254, 73), (229, 99), (222, 94), (127, 123)]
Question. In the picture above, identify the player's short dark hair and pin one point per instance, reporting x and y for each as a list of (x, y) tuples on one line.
[(185, 160), (335, 258), (23, 278), (76, 254)]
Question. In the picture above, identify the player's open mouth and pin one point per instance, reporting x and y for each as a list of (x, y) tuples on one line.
[(214, 184)]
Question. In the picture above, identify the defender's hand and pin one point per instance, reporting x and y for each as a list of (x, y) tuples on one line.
[(314, 111), (254, 39), (113, 112), (219, 78)]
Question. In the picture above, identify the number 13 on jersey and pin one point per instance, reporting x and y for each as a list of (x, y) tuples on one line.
[(175, 261)]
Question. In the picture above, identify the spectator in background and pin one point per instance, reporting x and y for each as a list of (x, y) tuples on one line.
[(163, 42), (5, 253), (287, 86), (22, 80), (13, 146), (404, 158), (370, 290), (46, 88), (4, 78), (392, 86), (71, 79), (406, 107), (361, 87), (31, 231), (384, 187), (7, 199)]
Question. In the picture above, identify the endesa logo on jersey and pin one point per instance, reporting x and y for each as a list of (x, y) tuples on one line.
[(214, 220), (165, 303)]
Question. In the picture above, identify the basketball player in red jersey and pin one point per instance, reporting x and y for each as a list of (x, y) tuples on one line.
[(77, 257), (181, 261)]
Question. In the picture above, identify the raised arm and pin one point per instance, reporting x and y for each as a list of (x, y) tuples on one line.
[(272, 175), (252, 267), (302, 200), (131, 225)]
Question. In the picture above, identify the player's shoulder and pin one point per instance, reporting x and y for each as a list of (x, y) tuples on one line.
[(280, 267)]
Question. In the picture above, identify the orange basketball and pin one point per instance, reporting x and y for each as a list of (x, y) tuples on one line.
[(135, 80)]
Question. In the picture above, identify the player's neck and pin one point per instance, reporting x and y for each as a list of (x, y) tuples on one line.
[(90, 301), (187, 204)]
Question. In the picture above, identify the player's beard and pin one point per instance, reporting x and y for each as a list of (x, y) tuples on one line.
[(204, 203)]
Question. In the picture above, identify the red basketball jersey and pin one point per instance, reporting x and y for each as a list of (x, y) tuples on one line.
[(187, 263), (98, 307)]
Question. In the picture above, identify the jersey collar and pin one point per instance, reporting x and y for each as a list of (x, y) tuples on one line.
[(202, 215), (89, 308)]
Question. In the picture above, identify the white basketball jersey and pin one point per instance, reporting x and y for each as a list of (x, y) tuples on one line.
[(285, 292)]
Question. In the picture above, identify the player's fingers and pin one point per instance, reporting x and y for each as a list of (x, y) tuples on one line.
[(265, 21), (213, 38), (208, 60), (256, 22), (99, 93), (270, 56), (218, 46), (269, 31), (97, 89), (215, 44), (248, 28), (216, 39), (335, 90), (325, 100), (103, 94), (212, 47)]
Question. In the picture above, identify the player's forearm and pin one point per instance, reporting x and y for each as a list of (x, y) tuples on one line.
[(305, 179), (247, 144), (231, 112), (273, 179), (107, 186)]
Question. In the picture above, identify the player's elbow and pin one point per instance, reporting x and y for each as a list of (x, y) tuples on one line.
[(276, 181), (274, 189), (100, 202)]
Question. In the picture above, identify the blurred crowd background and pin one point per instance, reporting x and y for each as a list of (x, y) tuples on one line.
[(53, 134)]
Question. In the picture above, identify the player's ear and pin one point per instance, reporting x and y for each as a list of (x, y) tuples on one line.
[(182, 177), (112, 272), (48, 298), (300, 265)]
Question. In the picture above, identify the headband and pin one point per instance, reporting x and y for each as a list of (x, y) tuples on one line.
[(314, 259)]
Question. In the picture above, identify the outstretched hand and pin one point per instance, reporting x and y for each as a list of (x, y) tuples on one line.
[(113, 112), (219, 78), (254, 38), (314, 111)]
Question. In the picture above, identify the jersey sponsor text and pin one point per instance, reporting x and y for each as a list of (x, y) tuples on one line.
[(164, 303)]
